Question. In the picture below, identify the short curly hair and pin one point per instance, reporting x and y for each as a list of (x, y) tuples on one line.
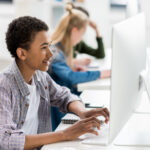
[(21, 33)]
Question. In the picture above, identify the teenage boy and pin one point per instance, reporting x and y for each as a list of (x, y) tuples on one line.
[(27, 91)]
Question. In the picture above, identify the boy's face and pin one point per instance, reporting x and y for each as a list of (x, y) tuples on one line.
[(39, 55)]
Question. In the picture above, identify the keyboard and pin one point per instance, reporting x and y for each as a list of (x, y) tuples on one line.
[(101, 139)]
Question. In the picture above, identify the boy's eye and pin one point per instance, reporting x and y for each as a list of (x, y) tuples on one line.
[(44, 47)]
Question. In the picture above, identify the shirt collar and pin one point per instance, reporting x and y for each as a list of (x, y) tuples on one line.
[(20, 80)]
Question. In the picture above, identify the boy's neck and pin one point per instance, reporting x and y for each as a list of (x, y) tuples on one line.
[(26, 72)]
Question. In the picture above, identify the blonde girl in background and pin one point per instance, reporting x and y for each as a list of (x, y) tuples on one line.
[(69, 32)]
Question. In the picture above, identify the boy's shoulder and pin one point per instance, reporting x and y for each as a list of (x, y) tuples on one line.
[(6, 77)]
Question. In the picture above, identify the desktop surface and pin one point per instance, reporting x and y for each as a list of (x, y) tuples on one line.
[(132, 124), (78, 145), (100, 84)]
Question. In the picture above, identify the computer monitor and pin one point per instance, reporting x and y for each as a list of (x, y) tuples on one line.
[(132, 8), (128, 61)]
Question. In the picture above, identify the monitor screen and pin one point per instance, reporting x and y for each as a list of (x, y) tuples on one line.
[(128, 61)]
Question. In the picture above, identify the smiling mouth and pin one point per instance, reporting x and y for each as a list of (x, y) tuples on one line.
[(48, 61)]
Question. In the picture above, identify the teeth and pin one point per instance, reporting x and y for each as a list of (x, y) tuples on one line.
[(48, 61)]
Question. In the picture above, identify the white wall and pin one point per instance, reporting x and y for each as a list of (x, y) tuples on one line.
[(145, 6), (99, 11), (6, 15), (105, 17), (39, 9)]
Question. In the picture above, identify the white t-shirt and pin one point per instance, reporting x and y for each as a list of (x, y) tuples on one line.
[(30, 125)]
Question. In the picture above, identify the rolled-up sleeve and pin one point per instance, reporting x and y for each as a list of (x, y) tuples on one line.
[(10, 137), (60, 96)]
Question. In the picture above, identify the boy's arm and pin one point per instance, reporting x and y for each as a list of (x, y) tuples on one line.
[(34, 141)]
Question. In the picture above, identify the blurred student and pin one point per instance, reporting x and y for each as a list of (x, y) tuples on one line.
[(27, 92), (69, 33), (82, 47)]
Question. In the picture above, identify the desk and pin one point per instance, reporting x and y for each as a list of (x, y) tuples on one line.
[(96, 97), (77, 145), (104, 63), (101, 84), (102, 98), (104, 84), (92, 96)]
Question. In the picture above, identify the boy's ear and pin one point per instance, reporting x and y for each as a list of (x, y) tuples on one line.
[(21, 53)]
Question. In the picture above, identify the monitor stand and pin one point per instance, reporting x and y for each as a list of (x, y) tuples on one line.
[(143, 102), (136, 132)]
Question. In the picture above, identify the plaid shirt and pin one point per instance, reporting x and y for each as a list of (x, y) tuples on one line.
[(14, 105)]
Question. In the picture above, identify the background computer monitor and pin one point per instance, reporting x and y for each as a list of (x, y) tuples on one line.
[(132, 8), (128, 60)]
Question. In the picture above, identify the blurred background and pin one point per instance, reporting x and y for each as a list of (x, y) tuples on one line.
[(104, 12)]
